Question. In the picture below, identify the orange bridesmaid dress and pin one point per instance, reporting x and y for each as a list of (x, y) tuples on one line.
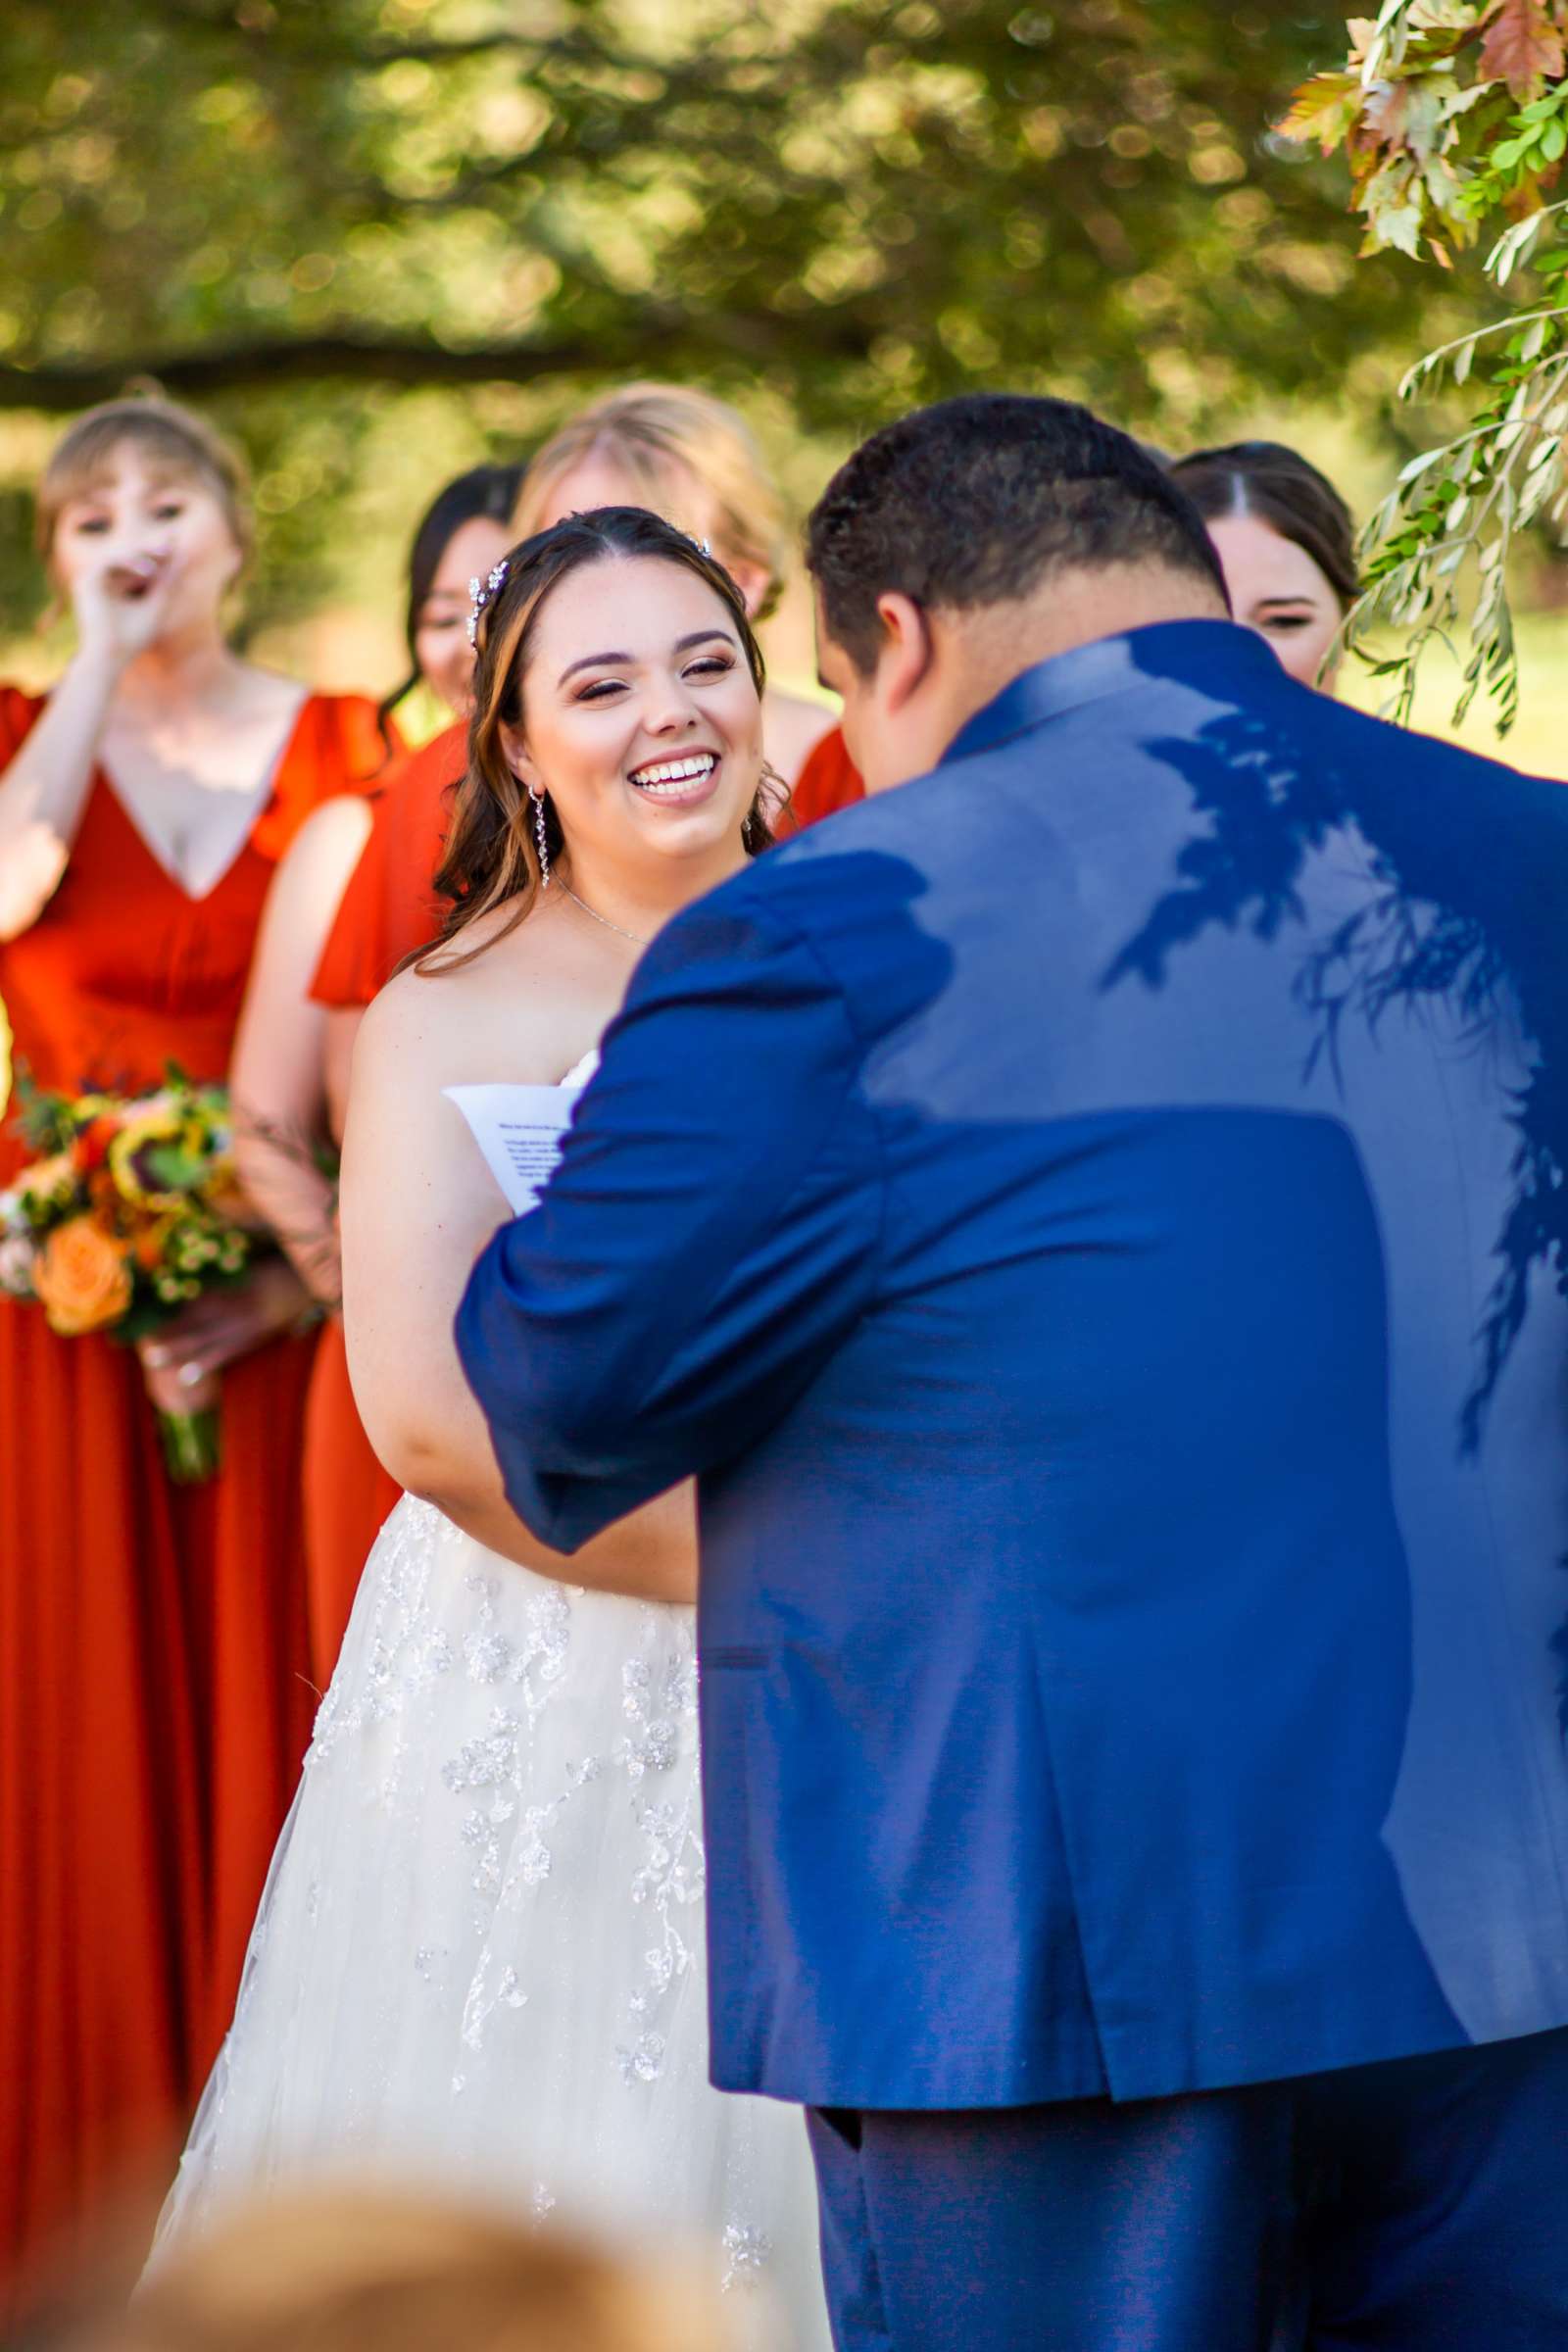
[(828, 782), (152, 1637), (388, 910)]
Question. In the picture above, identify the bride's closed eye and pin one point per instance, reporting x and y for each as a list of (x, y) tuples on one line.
[(708, 666)]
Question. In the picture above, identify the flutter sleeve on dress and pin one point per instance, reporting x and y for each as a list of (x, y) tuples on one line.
[(708, 1238), (337, 748), (390, 908)]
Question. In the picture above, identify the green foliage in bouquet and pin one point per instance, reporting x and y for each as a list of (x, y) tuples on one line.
[(131, 1210), (42, 1120)]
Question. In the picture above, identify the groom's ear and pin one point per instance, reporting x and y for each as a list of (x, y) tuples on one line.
[(906, 657)]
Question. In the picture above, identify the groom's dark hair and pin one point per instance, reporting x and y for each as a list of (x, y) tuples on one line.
[(976, 500)]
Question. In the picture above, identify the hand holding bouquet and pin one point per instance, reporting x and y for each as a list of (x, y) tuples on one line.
[(131, 1212)]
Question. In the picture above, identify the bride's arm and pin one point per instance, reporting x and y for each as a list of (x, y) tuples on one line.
[(418, 1205)]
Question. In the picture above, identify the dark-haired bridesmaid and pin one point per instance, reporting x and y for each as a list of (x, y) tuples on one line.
[(1287, 542), (287, 1087), (152, 1706)]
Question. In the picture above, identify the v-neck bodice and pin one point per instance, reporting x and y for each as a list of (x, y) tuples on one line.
[(124, 971), (258, 798)]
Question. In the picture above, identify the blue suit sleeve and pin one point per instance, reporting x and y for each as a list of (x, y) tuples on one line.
[(706, 1242)]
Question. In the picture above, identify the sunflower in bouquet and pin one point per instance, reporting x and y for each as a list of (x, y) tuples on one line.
[(131, 1210)]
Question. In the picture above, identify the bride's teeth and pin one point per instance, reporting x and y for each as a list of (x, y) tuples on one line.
[(676, 772)]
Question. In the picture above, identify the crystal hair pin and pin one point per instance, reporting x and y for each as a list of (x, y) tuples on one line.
[(480, 594)]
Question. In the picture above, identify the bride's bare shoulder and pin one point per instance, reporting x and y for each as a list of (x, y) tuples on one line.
[(411, 1016), (490, 1007)]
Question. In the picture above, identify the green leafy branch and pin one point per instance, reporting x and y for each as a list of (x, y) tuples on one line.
[(1451, 113)]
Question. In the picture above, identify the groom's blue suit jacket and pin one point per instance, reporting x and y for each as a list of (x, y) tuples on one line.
[(1091, 1220)]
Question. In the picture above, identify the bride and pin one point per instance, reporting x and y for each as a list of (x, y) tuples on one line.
[(480, 1956)]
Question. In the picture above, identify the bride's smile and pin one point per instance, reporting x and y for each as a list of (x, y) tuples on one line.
[(639, 702), (681, 783)]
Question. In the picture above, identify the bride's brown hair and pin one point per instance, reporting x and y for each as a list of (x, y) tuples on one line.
[(490, 859)]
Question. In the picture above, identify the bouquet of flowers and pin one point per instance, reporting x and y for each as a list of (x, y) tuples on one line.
[(131, 1210)]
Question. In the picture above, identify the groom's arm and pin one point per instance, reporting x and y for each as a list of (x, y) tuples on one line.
[(707, 1241)]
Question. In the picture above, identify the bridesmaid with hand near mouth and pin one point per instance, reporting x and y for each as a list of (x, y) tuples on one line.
[(154, 1709)]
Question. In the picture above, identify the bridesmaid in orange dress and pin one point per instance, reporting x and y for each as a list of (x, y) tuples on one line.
[(391, 906), (288, 1084), (828, 782), (152, 1637)]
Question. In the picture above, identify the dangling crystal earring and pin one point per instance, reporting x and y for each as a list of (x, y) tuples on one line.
[(540, 836)]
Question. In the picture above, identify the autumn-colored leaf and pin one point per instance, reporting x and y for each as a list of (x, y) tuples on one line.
[(1460, 101), (1363, 31), (1414, 116), (1446, 16), (1393, 212), (1323, 109), (1445, 188), (1524, 202), (1524, 46), (1386, 111)]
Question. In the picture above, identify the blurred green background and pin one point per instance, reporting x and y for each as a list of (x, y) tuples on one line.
[(380, 239)]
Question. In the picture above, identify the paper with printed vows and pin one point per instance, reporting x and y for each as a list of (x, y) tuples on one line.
[(519, 1129)]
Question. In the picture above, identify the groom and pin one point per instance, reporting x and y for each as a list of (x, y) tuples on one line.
[(1088, 1218)]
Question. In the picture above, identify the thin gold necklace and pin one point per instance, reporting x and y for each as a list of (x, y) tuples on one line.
[(619, 928)]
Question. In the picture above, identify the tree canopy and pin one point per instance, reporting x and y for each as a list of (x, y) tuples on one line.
[(872, 204), (299, 212)]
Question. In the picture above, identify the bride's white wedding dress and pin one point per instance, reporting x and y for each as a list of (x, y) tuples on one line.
[(479, 1959)]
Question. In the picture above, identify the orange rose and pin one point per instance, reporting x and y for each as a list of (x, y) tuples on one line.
[(82, 1277)]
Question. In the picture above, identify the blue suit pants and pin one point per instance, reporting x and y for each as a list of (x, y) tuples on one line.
[(1414, 2206)]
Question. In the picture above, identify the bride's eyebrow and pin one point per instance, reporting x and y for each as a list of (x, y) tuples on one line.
[(591, 661), (609, 660)]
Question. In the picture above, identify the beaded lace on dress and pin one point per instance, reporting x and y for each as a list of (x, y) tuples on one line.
[(479, 1959)]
